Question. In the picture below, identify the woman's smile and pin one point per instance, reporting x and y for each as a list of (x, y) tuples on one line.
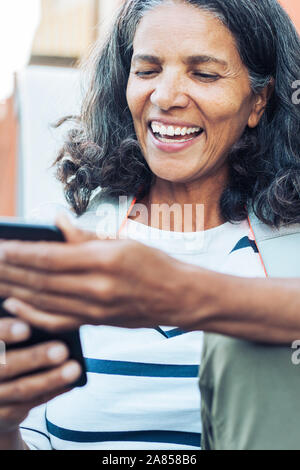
[(171, 137)]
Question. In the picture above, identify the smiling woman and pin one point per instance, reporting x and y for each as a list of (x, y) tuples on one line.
[(221, 85), (189, 105)]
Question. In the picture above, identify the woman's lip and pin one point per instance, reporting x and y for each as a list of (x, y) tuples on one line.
[(173, 147)]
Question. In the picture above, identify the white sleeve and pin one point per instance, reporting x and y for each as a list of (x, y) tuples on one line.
[(34, 429), (46, 213)]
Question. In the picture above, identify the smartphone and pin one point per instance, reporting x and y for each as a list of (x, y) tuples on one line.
[(13, 229)]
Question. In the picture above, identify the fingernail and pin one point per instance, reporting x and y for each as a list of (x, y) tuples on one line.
[(71, 371), (20, 330), (57, 353), (10, 305)]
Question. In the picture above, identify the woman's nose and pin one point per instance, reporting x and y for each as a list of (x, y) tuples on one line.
[(169, 93)]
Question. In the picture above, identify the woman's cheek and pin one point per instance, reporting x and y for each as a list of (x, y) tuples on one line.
[(131, 96), (220, 103), (136, 97)]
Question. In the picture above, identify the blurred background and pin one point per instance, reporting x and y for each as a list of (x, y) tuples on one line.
[(41, 44)]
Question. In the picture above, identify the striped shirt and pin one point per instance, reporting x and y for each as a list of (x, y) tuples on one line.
[(142, 390)]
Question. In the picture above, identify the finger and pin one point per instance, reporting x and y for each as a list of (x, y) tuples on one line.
[(13, 331), (118, 315), (50, 302), (62, 303), (72, 233), (86, 285), (27, 389), (42, 319), (17, 413), (58, 257), (31, 359)]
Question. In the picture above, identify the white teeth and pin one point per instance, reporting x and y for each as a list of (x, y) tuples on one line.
[(172, 131), (184, 131)]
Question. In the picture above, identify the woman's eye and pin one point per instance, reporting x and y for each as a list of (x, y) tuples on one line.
[(203, 76), (206, 76), (147, 73)]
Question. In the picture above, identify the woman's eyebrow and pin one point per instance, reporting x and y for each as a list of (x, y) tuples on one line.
[(190, 60), (146, 58), (202, 59)]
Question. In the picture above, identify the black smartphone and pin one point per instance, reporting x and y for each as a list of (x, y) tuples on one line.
[(18, 230)]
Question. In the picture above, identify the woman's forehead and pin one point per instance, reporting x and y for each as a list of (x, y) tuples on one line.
[(185, 29)]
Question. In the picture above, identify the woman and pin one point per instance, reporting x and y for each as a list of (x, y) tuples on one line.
[(206, 120)]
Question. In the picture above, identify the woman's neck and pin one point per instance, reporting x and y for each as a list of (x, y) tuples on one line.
[(188, 207)]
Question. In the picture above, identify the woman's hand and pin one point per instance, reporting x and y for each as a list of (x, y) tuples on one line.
[(19, 394), (124, 283), (92, 281)]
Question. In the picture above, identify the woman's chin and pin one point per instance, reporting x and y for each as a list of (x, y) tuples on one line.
[(171, 175), (171, 170)]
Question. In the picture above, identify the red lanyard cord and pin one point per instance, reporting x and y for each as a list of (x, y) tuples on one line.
[(261, 258), (127, 216)]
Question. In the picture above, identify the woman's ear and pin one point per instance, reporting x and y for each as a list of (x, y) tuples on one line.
[(260, 104)]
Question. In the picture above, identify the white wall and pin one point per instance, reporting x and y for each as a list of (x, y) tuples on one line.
[(45, 95)]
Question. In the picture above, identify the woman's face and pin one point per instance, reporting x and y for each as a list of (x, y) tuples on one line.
[(188, 92)]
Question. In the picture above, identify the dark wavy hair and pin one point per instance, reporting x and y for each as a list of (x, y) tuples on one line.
[(101, 149)]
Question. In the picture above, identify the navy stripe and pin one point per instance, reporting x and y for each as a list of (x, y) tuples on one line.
[(170, 333), (39, 432), (170, 437), (245, 243), (162, 332), (175, 332), (139, 369)]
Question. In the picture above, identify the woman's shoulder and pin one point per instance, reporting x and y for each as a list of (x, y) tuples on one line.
[(47, 212), (105, 212)]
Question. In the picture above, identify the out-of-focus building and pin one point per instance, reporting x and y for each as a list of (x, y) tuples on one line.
[(69, 27), (46, 91)]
